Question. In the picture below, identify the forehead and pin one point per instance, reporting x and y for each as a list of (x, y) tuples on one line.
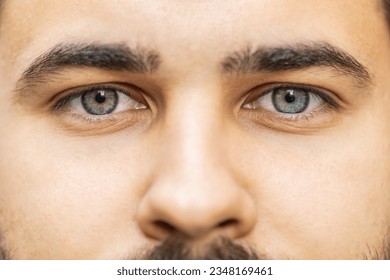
[(206, 29)]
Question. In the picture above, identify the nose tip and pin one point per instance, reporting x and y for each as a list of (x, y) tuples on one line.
[(196, 212)]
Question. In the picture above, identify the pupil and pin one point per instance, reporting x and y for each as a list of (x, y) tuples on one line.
[(100, 98), (290, 98)]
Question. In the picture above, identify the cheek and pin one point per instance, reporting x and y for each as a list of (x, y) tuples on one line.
[(59, 192), (323, 196)]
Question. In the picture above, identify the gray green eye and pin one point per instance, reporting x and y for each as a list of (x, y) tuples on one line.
[(290, 101), (100, 102)]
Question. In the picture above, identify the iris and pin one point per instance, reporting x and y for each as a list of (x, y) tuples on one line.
[(290, 101), (100, 102)]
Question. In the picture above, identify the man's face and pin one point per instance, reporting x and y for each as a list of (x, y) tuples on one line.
[(264, 123)]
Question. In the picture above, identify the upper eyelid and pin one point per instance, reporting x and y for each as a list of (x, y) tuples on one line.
[(292, 86), (82, 89)]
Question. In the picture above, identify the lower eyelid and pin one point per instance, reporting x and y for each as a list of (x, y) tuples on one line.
[(318, 117), (92, 118), (297, 124), (84, 125), (304, 116)]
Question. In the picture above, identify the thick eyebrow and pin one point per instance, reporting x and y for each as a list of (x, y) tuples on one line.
[(297, 57), (111, 57)]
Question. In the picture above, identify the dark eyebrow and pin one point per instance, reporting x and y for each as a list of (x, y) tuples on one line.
[(111, 57), (300, 56)]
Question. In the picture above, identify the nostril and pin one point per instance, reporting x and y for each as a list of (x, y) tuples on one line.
[(228, 222), (164, 226)]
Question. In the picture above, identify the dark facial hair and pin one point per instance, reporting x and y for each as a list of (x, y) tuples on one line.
[(178, 248)]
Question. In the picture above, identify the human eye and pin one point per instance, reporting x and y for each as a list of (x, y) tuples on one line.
[(100, 106), (295, 106), (99, 100)]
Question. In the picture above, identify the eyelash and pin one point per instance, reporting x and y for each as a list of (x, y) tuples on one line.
[(62, 104), (330, 102)]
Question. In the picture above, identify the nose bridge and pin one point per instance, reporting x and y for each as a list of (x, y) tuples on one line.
[(195, 125), (194, 192), (193, 150)]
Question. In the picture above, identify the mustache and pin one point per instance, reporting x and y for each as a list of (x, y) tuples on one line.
[(180, 248)]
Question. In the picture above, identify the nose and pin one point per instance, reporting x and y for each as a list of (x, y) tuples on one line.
[(196, 207), (196, 191)]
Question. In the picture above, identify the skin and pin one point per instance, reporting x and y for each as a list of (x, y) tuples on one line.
[(196, 162)]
